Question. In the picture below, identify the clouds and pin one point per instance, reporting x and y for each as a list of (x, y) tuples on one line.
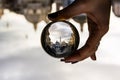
[(60, 30)]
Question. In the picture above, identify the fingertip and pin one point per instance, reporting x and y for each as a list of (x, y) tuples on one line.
[(93, 57), (62, 60), (74, 62), (53, 16)]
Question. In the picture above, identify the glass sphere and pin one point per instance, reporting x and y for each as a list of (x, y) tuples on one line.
[(60, 39)]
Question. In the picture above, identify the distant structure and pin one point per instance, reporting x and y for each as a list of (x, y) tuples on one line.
[(59, 3), (33, 10), (81, 19), (1, 8), (37, 10)]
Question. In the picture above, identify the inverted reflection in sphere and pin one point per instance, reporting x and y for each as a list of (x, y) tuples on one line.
[(60, 39)]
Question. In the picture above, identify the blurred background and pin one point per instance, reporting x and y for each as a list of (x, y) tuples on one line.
[(21, 54)]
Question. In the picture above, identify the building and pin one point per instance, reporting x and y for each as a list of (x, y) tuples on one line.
[(33, 10)]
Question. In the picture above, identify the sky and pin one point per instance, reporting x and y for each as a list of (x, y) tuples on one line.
[(60, 30), (22, 56)]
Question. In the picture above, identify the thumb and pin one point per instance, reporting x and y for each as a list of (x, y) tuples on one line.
[(93, 57), (73, 9)]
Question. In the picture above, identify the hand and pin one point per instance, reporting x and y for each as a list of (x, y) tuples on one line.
[(97, 25)]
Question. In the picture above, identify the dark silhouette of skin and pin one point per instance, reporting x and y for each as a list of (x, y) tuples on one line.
[(98, 14)]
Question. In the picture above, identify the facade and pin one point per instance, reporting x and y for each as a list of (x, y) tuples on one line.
[(1, 8), (33, 10)]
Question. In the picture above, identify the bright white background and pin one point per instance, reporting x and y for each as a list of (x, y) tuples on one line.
[(22, 57)]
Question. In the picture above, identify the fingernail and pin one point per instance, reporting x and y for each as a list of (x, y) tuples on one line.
[(52, 16), (62, 60), (67, 62), (94, 59), (74, 62)]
